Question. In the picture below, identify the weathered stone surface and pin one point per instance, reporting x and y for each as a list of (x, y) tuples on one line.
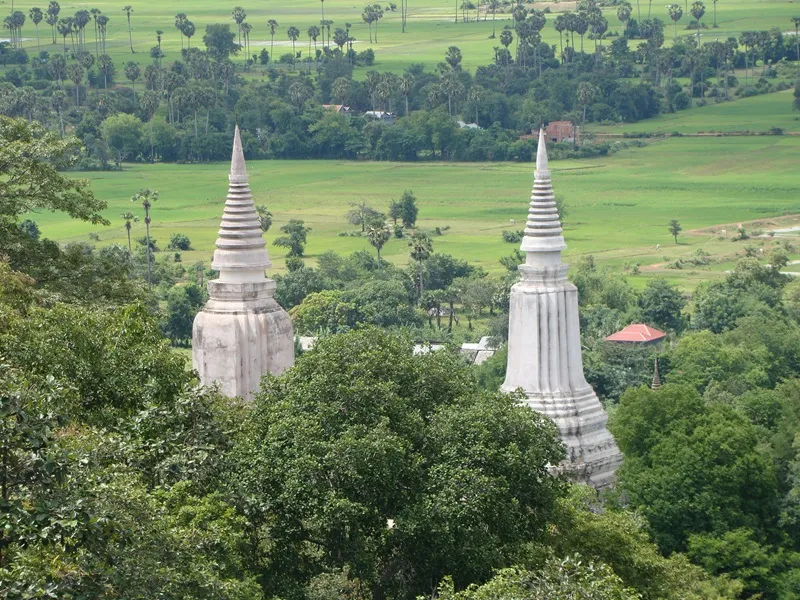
[(544, 346), (241, 333)]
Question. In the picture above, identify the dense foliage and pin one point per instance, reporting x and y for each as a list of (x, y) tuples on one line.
[(312, 106)]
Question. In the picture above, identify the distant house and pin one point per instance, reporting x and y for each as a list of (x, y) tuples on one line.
[(556, 131), (339, 108), (464, 125), (381, 115), (562, 131), (637, 333)]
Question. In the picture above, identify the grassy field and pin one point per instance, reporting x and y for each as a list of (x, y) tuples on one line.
[(618, 206), (756, 114), (431, 27)]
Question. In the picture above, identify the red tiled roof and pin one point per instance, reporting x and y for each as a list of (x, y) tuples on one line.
[(636, 333)]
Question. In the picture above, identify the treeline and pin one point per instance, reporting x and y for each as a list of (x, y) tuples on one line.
[(184, 110)]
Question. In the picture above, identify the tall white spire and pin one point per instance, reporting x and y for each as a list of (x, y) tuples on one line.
[(241, 333), (544, 345), (543, 239), (241, 253)]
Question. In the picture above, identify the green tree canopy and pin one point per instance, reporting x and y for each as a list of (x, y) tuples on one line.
[(393, 465)]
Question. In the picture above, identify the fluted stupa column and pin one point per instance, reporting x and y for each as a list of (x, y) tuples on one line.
[(544, 344), (241, 333)]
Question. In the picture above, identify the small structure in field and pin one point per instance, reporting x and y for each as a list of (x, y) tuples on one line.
[(337, 108)]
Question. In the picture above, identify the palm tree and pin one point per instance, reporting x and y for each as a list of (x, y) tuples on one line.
[(675, 13), (188, 30), (82, 19), (246, 28), (698, 10), (102, 27), (36, 16), (75, 73), (64, 29), (796, 21), (378, 234), (180, 20), (421, 249), (239, 15), (58, 68), (322, 22), (146, 197), (476, 95), (273, 27), (95, 12), (53, 9), (293, 33), (58, 101), (585, 94), (133, 72), (406, 84), (128, 10), (624, 12), (52, 20), (149, 103), (313, 33), (494, 5), (130, 219), (581, 24), (105, 65)]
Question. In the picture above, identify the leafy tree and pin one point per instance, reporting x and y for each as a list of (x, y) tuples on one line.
[(571, 577), (361, 433), (264, 217), (123, 134), (30, 228), (179, 241), (183, 303), (361, 214), (30, 180), (619, 538), (103, 355), (408, 209), (219, 41), (323, 311), (295, 238), (692, 467), (661, 304), (674, 229)]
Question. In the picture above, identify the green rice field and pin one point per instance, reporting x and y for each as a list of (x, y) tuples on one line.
[(618, 207)]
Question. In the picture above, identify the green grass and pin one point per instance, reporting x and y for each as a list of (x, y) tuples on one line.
[(755, 114), (430, 29), (618, 206)]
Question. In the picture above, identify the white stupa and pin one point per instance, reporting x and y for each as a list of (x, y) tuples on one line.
[(241, 333), (544, 343)]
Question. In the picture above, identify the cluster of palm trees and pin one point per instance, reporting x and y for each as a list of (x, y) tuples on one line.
[(75, 27), (589, 19), (372, 13), (13, 23), (187, 29)]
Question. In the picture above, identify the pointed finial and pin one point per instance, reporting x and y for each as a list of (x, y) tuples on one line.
[(542, 169), (238, 166), (656, 379)]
